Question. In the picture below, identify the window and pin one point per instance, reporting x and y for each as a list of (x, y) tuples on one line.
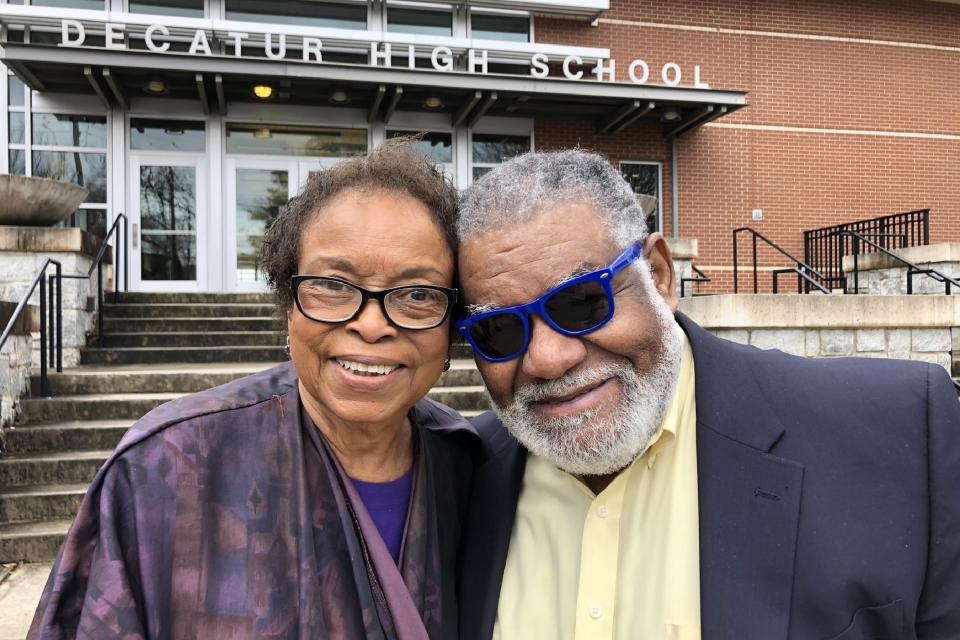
[(182, 8), (167, 135), (95, 5), (286, 140), (436, 146), (299, 12), (491, 26), (644, 178), (419, 21), (67, 147), (489, 150)]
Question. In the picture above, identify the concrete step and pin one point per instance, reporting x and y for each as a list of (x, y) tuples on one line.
[(191, 325), (65, 467), (32, 541), (70, 435), (106, 406), (186, 354), (41, 502), (187, 310), (126, 406), (143, 297), (192, 339), (187, 378), (145, 378)]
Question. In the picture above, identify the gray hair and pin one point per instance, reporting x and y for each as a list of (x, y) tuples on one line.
[(515, 191)]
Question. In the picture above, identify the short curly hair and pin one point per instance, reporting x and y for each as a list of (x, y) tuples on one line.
[(395, 166)]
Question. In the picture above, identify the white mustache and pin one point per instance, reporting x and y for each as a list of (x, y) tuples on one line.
[(569, 383)]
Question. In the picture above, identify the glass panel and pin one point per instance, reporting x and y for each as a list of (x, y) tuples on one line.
[(432, 23), (168, 215), (494, 27), (644, 179), (96, 5), (167, 135), (299, 12), (17, 162), (93, 221), (480, 171), (15, 91), (438, 147), (69, 131), (166, 257), (260, 194), (17, 122), (264, 139), (184, 8), (86, 169), (494, 149)]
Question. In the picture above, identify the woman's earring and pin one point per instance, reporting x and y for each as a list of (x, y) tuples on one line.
[(286, 347), (446, 364)]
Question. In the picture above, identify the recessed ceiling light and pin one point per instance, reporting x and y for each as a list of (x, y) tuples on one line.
[(155, 86), (671, 115), (433, 102), (263, 91), (339, 96)]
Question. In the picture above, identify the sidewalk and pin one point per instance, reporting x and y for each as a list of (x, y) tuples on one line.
[(19, 594)]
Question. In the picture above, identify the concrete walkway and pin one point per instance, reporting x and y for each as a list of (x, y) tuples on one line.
[(19, 594)]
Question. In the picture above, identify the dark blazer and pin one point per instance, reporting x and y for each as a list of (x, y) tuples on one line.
[(829, 495)]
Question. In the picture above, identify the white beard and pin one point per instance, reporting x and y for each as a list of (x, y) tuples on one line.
[(589, 444)]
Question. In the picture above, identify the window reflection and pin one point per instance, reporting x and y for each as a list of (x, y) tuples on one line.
[(299, 12), (17, 162), (86, 169), (500, 27), (419, 21), (494, 149), (16, 127), (644, 179), (69, 131), (95, 5), (168, 197), (167, 135), (283, 140), (182, 8), (260, 194), (434, 145), (15, 91)]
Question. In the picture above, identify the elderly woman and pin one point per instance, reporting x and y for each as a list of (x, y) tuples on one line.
[(318, 499)]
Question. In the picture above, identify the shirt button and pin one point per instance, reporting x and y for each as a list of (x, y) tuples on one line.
[(603, 511), (596, 612)]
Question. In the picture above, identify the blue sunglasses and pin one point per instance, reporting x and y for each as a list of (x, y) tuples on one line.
[(575, 308)]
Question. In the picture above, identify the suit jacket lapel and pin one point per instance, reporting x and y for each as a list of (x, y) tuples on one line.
[(749, 498), (488, 526)]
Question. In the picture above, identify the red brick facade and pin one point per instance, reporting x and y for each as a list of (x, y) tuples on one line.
[(853, 112)]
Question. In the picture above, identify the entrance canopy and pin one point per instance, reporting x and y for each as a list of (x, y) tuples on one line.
[(216, 81)]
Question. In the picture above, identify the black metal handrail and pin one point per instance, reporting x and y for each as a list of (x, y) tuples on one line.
[(700, 278), (824, 248), (120, 242), (55, 313), (912, 269), (806, 275)]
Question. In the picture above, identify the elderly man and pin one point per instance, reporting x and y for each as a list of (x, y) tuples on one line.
[(656, 482)]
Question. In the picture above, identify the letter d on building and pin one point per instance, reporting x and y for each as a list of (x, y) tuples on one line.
[(66, 25)]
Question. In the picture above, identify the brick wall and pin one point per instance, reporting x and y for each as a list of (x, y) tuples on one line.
[(885, 114)]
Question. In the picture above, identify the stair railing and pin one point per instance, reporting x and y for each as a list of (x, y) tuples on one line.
[(120, 242), (912, 269), (807, 276), (700, 278), (51, 316)]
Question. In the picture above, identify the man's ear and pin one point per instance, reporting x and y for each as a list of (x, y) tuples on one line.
[(657, 253)]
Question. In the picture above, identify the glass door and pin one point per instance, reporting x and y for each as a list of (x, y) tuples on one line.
[(167, 202), (256, 190)]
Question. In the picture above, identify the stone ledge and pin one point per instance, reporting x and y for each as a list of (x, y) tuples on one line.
[(51, 240), (927, 254), (797, 311), (684, 248)]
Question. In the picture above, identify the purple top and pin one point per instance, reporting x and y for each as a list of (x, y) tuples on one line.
[(387, 504)]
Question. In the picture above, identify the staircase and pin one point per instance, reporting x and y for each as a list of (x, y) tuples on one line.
[(158, 347)]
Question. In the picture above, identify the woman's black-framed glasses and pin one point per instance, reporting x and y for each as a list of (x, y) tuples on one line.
[(333, 300), (575, 308)]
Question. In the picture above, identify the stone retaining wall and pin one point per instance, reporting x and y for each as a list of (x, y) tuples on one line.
[(15, 362), (881, 275), (23, 251), (924, 328)]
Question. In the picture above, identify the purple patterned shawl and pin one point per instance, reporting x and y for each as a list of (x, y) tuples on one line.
[(223, 515)]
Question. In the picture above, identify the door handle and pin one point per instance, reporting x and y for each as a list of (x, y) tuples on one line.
[(136, 236)]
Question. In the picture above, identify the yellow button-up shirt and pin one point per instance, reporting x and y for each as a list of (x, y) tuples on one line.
[(620, 565)]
